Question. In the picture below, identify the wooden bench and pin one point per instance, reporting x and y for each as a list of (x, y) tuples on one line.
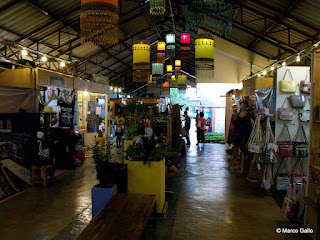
[(124, 217)]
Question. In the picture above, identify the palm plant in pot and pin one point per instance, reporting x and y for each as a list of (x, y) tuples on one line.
[(112, 178)]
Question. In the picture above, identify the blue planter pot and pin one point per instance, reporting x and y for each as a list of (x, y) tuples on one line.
[(101, 196)]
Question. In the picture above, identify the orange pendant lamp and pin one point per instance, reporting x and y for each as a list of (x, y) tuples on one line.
[(99, 21)]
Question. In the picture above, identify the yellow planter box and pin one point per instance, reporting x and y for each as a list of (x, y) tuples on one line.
[(126, 144), (146, 179)]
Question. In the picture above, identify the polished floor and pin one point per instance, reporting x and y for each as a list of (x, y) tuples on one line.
[(213, 204), (217, 204)]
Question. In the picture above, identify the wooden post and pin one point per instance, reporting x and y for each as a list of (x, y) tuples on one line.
[(312, 213)]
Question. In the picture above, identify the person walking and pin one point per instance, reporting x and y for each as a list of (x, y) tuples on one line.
[(201, 124), (119, 122), (187, 126)]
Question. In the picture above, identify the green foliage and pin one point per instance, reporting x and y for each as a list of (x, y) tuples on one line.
[(214, 137), (132, 130), (147, 152), (138, 109), (104, 165)]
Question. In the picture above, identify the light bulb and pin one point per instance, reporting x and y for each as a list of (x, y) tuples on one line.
[(62, 64), (24, 52), (85, 93), (298, 58), (272, 68), (264, 72), (233, 96), (259, 75), (116, 89), (44, 59), (119, 90), (111, 88), (284, 64)]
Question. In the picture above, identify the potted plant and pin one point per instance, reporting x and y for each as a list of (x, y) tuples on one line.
[(146, 171), (112, 178)]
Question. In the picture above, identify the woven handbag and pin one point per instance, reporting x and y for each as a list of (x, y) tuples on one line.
[(305, 86), (288, 86), (267, 181), (304, 114), (282, 179), (271, 148), (288, 202), (286, 114), (297, 101), (256, 170), (300, 147), (298, 177), (285, 146), (255, 142)]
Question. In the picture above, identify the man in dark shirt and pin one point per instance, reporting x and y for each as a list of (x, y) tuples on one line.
[(187, 126)]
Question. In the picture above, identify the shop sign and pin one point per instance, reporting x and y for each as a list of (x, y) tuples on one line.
[(56, 81)]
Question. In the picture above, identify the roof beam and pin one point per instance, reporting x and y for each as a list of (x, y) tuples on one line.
[(284, 14), (9, 5), (49, 24)]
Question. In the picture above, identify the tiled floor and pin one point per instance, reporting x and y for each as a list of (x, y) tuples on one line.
[(216, 204), (213, 204)]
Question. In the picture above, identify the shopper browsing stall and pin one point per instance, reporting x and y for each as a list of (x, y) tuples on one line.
[(119, 122)]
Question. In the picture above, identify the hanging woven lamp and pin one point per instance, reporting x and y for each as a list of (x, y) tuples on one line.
[(177, 66), (157, 7), (99, 21), (161, 51), (185, 46), (157, 70), (141, 61), (182, 81), (204, 54), (171, 48), (211, 14)]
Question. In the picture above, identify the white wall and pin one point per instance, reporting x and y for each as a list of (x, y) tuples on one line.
[(299, 74), (213, 95)]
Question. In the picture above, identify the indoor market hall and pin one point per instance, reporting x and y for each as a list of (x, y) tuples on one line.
[(159, 119)]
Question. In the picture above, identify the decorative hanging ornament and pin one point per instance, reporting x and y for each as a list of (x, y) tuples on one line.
[(177, 69), (157, 7), (212, 14), (161, 54), (141, 61), (204, 54), (185, 46), (157, 70), (99, 21), (182, 81), (171, 48)]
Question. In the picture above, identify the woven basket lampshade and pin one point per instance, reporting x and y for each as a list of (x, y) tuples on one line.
[(141, 61), (177, 64), (185, 46), (99, 21), (204, 55), (171, 48), (157, 69), (161, 46), (157, 7), (182, 81)]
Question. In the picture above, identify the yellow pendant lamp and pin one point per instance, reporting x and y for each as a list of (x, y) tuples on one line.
[(204, 56), (141, 61)]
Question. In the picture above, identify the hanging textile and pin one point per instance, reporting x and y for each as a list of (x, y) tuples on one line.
[(157, 7), (99, 21), (185, 46), (212, 14)]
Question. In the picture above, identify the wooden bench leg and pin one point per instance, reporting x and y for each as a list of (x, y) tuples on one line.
[(155, 215)]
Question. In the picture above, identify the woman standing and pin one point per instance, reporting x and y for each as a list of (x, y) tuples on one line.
[(201, 124)]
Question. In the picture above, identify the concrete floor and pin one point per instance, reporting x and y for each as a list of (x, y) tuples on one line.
[(213, 204), (217, 204)]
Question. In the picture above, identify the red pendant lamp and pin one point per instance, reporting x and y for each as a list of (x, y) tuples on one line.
[(185, 46)]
